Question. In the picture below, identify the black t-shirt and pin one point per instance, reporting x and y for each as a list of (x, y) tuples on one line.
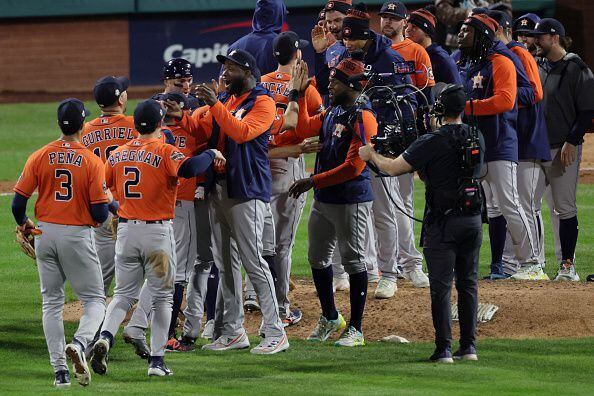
[(437, 161)]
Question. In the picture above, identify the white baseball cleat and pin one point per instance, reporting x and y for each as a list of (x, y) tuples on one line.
[(208, 330), (350, 337), (417, 277), (530, 272), (79, 364), (271, 345), (385, 288), (567, 272), (340, 284), (373, 278), (226, 343)]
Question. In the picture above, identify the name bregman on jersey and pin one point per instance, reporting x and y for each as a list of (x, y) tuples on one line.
[(100, 135), (149, 158)]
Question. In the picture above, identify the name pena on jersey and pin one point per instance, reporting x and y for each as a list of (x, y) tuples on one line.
[(62, 158), (149, 158), (100, 135)]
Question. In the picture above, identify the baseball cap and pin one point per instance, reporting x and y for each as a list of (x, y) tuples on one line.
[(394, 8), (346, 70), (526, 23), (71, 115), (502, 18), (356, 24), (483, 24), (341, 6), (548, 26), (178, 98), (147, 115), (109, 88), (243, 59), (287, 43)]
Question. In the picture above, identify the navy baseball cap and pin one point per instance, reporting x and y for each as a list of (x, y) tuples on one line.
[(526, 23), (548, 26), (178, 98), (147, 115), (288, 43), (109, 88), (502, 18), (394, 8), (243, 59), (71, 115)]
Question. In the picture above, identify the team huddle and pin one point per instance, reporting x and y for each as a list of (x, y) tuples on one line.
[(205, 180)]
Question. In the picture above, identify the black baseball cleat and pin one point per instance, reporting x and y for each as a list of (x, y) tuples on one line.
[(62, 379), (442, 356), (157, 367), (99, 359), (590, 278), (140, 346)]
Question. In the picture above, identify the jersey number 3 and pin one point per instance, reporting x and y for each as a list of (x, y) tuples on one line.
[(131, 182), (64, 194)]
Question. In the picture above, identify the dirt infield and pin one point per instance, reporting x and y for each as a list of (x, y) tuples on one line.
[(526, 310)]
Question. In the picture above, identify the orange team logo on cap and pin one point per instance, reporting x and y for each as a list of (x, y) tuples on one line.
[(391, 6), (477, 81), (524, 22)]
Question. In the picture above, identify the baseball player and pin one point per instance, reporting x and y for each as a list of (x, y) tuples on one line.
[(393, 21), (103, 135), (177, 75), (521, 31), (144, 173), (490, 81), (72, 199), (286, 211), (569, 108), (342, 199), (239, 121), (533, 150), (421, 30)]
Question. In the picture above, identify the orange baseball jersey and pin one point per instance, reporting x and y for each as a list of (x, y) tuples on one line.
[(278, 84), (143, 173), (104, 134), (69, 179), (412, 51), (190, 145), (531, 70)]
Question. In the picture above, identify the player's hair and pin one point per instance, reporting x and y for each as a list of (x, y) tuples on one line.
[(284, 59), (565, 42), (146, 129), (70, 129), (481, 45)]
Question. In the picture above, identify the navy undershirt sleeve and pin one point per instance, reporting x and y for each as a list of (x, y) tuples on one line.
[(99, 212), (19, 207), (196, 165)]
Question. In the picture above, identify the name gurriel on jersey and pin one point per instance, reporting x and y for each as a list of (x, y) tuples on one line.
[(100, 135), (149, 158)]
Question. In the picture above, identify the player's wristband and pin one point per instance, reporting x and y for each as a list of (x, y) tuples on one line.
[(293, 95)]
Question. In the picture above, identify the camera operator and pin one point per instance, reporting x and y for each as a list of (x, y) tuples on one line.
[(449, 162)]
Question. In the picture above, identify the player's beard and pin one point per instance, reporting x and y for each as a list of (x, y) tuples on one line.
[(235, 86), (339, 99), (390, 32)]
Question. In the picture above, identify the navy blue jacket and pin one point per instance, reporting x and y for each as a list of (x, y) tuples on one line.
[(248, 168), (444, 67), (267, 23), (335, 147), (324, 61), (525, 94)]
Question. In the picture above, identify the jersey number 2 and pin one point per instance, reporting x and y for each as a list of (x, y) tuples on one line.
[(65, 192), (132, 182)]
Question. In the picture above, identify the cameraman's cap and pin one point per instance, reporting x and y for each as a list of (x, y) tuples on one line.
[(483, 24), (243, 59), (288, 43), (394, 8), (109, 88), (526, 23), (71, 115), (502, 18), (451, 96), (424, 20), (548, 26), (147, 115), (356, 24), (341, 6)]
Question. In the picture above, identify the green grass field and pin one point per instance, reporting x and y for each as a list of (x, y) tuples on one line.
[(506, 367)]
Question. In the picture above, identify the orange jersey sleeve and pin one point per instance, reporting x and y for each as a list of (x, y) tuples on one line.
[(353, 164), (69, 178), (188, 144), (411, 51), (255, 123), (144, 174), (531, 70), (104, 134), (504, 89)]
